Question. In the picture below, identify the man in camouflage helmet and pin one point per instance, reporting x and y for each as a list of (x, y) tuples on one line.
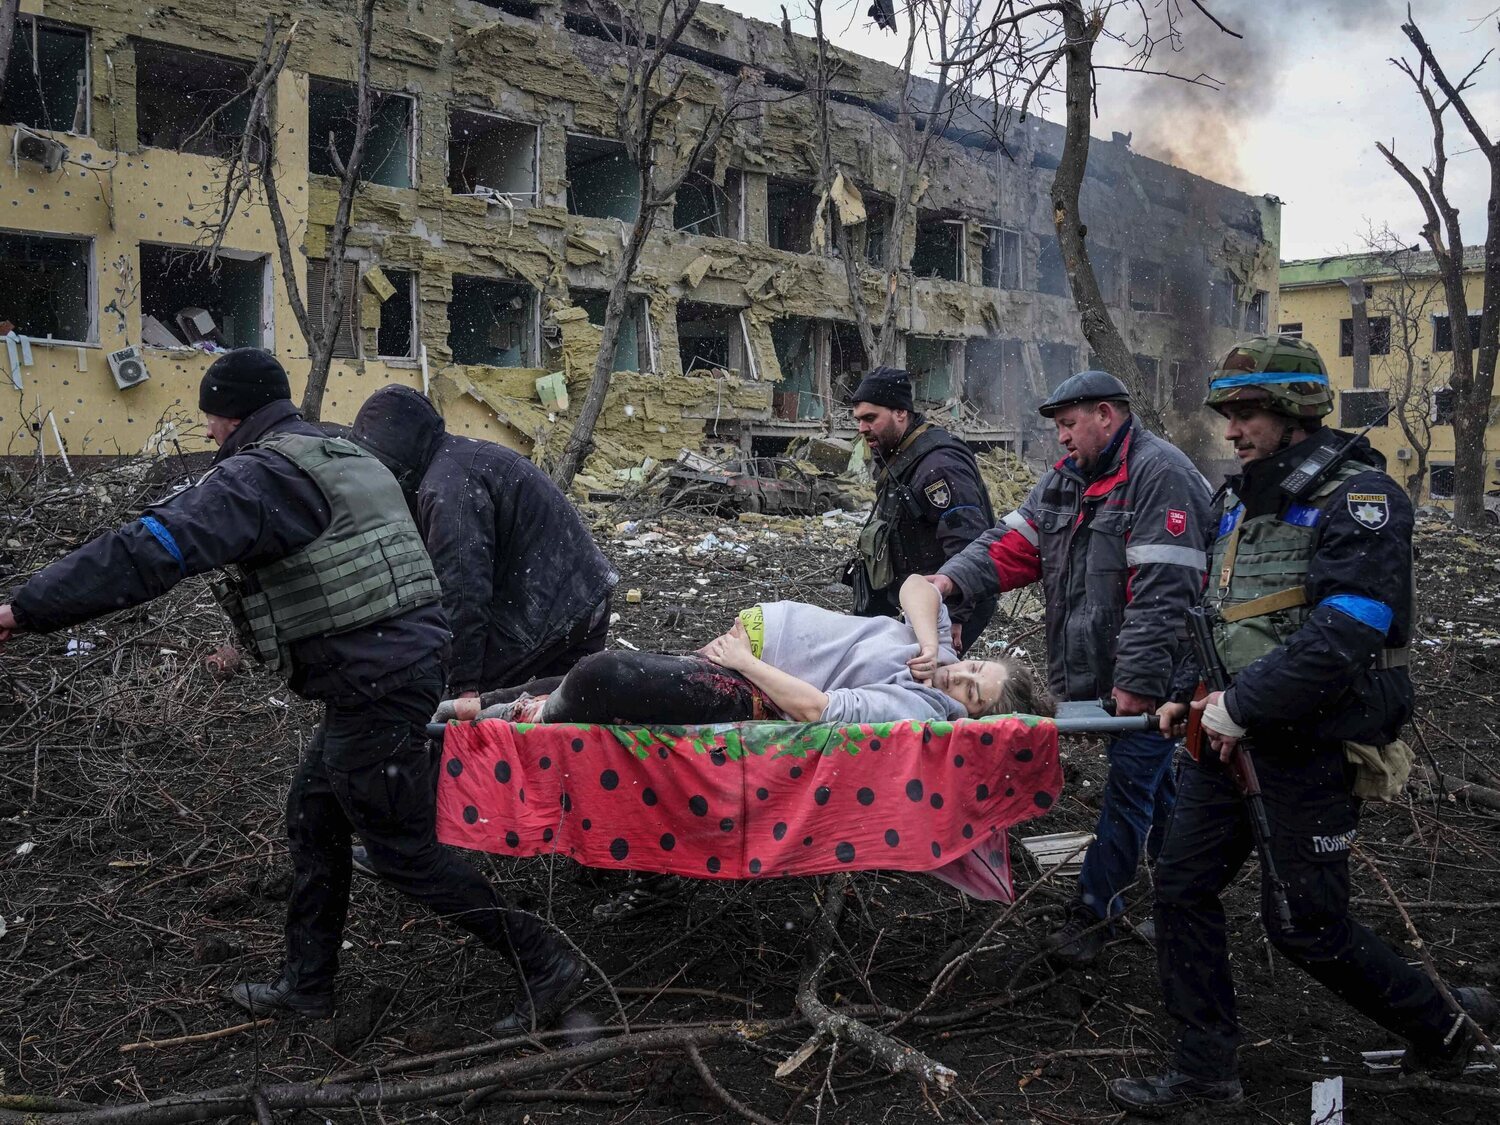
[(1313, 582), (1114, 534)]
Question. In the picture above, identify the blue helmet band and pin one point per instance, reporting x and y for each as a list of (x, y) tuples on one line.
[(1265, 378)]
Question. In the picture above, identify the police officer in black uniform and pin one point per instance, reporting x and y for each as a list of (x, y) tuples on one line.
[(1311, 574), (930, 502), (325, 576)]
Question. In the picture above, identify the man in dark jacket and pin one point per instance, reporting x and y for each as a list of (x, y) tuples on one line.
[(1312, 578), (526, 590), (325, 577), (930, 502), (1114, 532)]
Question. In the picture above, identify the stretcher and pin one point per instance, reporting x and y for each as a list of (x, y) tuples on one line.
[(760, 799)]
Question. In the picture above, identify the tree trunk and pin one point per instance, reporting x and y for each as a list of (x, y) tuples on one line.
[(581, 440), (1489, 343), (1099, 329), (9, 10)]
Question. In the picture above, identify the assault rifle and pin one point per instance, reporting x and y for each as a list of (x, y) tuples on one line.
[(1241, 764)]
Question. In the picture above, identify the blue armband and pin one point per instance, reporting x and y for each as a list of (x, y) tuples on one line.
[(1367, 611), (160, 533)]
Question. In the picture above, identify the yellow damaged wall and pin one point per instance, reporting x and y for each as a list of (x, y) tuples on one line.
[(1320, 307)]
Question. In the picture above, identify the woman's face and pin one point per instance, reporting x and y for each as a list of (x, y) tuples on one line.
[(974, 683)]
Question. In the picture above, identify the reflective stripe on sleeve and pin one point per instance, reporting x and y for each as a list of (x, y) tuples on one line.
[(1017, 522), (1165, 553)]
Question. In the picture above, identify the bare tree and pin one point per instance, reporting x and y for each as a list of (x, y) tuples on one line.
[(1414, 374), (253, 165), (1473, 378), (9, 19), (644, 35)]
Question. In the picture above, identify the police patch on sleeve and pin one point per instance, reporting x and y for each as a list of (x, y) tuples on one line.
[(1369, 509), (938, 493)]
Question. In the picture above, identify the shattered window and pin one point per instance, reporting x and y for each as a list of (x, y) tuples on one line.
[(930, 361), (939, 249), (1380, 336), (396, 337), (1442, 332), (188, 302), (190, 101), (46, 283), (1255, 313), (1189, 384), (1150, 372), (320, 301), (1440, 480), (877, 229), (1051, 276), (602, 182), (47, 80), (1001, 268), (794, 339), (1106, 272), (1145, 285), (1358, 409), (1442, 406), (846, 359), (985, 374), (485, 151), (790, 211), (632, 342), (490, 322), (710, 337), (332, 114), (704, 207), (1294, 329), (1058, 362)]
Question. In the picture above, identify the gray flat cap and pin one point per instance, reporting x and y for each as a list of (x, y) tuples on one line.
[(1086, 386)]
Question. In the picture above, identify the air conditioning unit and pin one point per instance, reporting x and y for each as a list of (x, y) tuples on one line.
[(128, 367), (37, 149), (1403, 454)]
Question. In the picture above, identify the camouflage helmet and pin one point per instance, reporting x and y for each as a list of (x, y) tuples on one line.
[(1282, 374)]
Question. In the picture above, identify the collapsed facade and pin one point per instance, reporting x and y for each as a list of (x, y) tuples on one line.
[(490, 223)]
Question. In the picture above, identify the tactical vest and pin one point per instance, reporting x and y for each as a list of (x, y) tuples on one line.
[(368, 565), (881, 547), (1257, 573)]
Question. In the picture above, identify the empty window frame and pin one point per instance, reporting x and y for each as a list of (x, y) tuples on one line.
[(491, 153), (332, 113), (989, 363), (635, 347), (705, 207), (939, 248), (492, 322), (795, 341), (191, 101), (48, 282), (1001, 266), (1149, 369), (1051, 277), (1255, 313), (790, 210), (223, 303), (878, 214), (396, 335), (1292, 329), (930, 361), (1145, 285), (1442, 332), (847, 360), (713, 338), (1380, 336), (1357, 409), (1440, 480), (320, 304), (602, 182), (47, 79), (1442, 406), (1058, 362)]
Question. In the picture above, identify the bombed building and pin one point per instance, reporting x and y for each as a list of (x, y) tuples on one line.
[(490, 224)]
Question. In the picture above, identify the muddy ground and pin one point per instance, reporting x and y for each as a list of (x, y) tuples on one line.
[(143, 868)]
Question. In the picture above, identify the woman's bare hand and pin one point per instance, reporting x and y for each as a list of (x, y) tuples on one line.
[(732, 649), (924, 664)]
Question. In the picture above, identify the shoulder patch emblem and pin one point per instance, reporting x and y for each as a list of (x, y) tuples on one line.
[(1369, 509), (939, 493), (1176, 521)]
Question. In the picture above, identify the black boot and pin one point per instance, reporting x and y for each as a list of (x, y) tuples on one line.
[(551, 976), (1448, 1060), (1154, 1095), (1080, 939), (279, 999)]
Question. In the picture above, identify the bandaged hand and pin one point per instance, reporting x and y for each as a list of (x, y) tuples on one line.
[(1224, 733), (732, 649), (924, 664)]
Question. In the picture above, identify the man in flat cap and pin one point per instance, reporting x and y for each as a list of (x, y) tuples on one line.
[(325, 578), (930, 502), (1115, 534)]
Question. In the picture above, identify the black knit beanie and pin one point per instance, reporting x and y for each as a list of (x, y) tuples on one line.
[(239, 383), (885, 386)]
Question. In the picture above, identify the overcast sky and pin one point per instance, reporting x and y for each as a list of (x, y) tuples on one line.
[(1307, 93)]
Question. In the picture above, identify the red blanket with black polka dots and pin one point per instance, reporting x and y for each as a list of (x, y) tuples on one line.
[(753, 800)]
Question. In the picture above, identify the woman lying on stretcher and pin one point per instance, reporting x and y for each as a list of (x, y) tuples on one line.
[(782, 660)]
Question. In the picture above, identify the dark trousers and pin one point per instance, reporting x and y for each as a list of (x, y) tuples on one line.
[(369, 772), (1137, 803), (649, 687), (1313, 818)]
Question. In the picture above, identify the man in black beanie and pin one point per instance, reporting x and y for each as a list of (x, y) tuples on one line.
[(324, 576), (930, 502)]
